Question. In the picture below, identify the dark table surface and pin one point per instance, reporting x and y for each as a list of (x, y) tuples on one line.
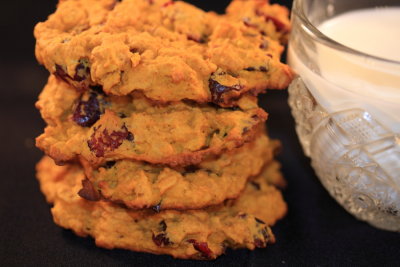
[(316, 230)]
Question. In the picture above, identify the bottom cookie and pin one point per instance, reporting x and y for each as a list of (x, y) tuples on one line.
[(190, 234)]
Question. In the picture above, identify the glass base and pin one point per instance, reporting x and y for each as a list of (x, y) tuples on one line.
[(356, 158)]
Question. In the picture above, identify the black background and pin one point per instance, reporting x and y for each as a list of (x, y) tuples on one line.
[(316, 231)]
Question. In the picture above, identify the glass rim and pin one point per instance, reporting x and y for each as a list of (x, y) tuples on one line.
[(298, 10)]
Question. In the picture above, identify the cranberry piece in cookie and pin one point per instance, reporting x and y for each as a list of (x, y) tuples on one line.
[(81, 78), (218, 90), (161, 240), (202, 247), (87, 112), (104, 140), (88, 191)]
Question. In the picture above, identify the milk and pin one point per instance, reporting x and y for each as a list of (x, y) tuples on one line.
[(341, 80), (346, 105), (372, 31)]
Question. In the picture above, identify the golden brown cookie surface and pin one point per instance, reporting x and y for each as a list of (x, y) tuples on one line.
[(269, 20), (196, 234), (140, 185), (101, 128), (169, 51)]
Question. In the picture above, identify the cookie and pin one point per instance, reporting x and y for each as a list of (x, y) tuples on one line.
[(194, 55), (102, 128), (140, 185), (191, 234)]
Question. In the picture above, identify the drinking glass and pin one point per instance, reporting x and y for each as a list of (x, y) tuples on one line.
[(346, 105)]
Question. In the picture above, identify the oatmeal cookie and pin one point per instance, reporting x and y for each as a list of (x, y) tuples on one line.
[(141, 185), (102, 128), (170, 51), (191, 234)]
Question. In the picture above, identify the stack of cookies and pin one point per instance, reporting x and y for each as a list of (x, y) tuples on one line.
[(154, 138)]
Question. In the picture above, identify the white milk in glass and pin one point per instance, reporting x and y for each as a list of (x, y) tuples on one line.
[(372, 31), (347, 109), (350, 81)]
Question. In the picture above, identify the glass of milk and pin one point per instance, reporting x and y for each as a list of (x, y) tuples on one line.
[(346, 101)]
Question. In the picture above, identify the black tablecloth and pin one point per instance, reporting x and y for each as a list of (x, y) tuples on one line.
[(316, 230)]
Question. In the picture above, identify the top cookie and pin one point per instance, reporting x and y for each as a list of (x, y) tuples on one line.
[(168, 50)]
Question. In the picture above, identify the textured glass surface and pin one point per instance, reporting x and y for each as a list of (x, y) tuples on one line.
[(356, 158)]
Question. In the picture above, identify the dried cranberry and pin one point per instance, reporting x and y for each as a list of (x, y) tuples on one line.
[(202, 247), (259, 243), (217, 90), (99, 143), (88, 191), (166, 4), (161, 240), (87, 112), (82, 71), (279, 25)]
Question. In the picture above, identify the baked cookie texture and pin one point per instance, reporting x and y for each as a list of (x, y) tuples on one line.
[(154, 140), (102, 128), (192, 234), (169, 51), (140, 185), (270, 20)]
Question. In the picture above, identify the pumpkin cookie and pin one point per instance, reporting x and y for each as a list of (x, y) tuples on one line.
[(102, 128), (170, 51), (141, 185), (191, 234)]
